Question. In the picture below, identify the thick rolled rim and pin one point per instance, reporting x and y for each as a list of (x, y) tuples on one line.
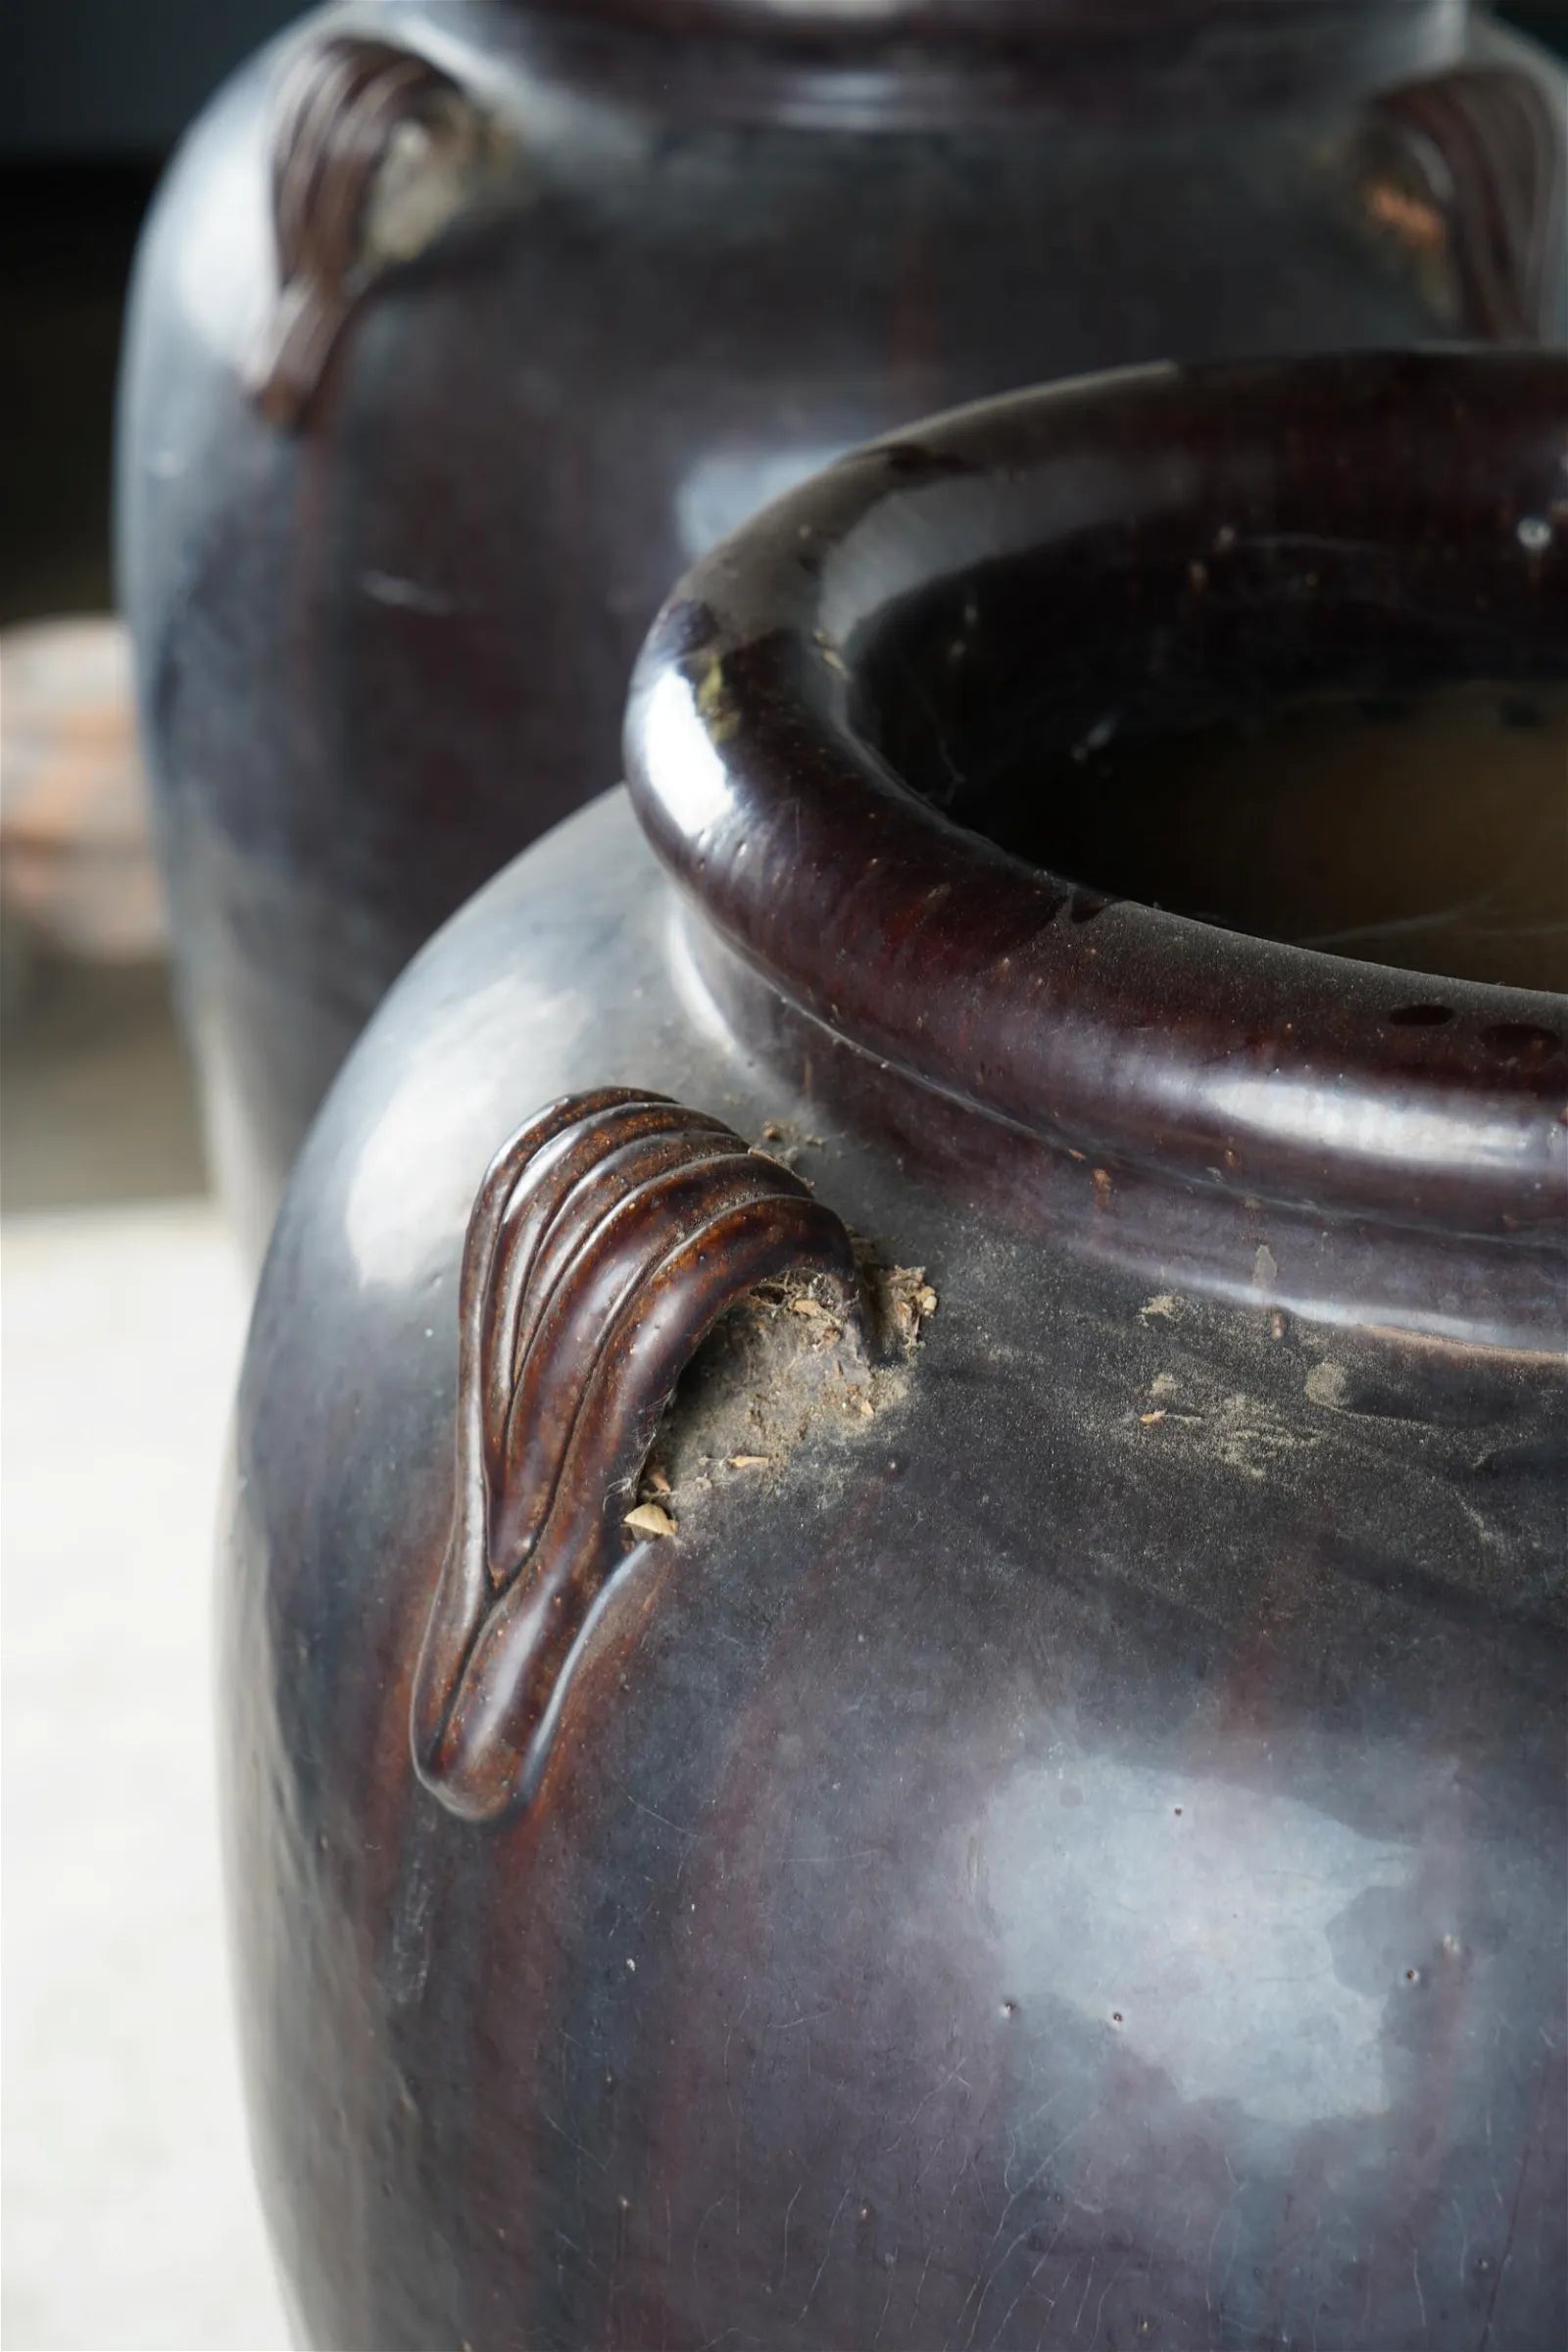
[(1262, 1067)]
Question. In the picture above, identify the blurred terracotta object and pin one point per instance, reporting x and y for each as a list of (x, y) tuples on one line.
[(77, 864), (459, 331)]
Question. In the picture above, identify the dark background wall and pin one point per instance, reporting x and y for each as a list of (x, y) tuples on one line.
[(93, 94), (117, 77)]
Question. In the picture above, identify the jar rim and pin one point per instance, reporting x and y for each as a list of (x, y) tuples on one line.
[(902, 65), (964, 21), (1426, 481)]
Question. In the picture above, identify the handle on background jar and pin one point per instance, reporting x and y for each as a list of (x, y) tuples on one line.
[(608, 1239), (1467, 172), (374, 152)]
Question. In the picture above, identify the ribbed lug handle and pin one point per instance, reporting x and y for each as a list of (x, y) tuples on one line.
[(374, 153), (608, 1239)]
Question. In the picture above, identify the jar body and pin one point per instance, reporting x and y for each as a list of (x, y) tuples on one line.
[(1079, 1856), (383, 645)]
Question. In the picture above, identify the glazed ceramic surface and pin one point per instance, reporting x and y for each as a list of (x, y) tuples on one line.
[(901, 1685), (461, 330)]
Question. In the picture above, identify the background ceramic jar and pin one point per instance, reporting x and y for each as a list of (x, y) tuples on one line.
[(1026, 1806), (461, 330)]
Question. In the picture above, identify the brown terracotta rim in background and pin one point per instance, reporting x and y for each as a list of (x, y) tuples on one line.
[(1353, 518)]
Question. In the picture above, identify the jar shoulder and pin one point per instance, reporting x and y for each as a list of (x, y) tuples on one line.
[(1040, 1355)]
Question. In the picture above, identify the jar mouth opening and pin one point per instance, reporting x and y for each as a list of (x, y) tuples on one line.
[(929, 738), (1421, 828)]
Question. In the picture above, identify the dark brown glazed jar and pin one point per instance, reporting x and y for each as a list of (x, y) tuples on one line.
[(898, 1678), (462, 329)]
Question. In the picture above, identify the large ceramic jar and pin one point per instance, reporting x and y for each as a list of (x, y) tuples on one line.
[(461, 328), (893, 1592)]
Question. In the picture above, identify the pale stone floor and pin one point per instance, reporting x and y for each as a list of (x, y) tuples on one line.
[(130, 2218)]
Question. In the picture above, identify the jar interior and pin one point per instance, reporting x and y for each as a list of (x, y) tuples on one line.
[(1428, 831), (1250, 746)]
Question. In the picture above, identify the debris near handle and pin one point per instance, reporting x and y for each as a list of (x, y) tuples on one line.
[(904, 1300), (651, 1519), (785, 1366)]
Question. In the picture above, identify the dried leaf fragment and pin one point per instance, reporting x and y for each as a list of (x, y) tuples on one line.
[(650, 1519), (907, 1298)]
